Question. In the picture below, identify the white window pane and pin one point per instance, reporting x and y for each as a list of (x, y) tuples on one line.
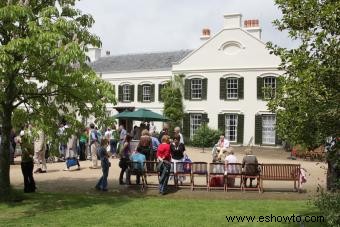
[(231, 121), (196, 88), (146, 93), (195, 123), (126, 93), (232, 88), (268, 129), (269, 84)]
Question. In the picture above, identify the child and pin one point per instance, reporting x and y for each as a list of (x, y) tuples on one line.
[(102, 183)]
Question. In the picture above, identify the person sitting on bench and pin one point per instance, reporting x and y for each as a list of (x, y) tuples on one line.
[(250, 166), (222, 146)]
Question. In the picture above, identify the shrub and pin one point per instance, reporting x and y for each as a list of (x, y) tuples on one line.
[(205, 137), (329, 205)]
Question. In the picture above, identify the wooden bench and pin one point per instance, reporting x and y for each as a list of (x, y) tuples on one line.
[(280, 172)]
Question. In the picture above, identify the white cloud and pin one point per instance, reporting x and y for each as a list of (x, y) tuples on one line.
[(160, 25)]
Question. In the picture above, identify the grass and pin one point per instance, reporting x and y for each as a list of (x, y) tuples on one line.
[(48, 209)]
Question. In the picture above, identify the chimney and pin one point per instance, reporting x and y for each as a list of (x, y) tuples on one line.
[(232, 20), (94, 53), (205, 34), (107, 53), (253, 27)]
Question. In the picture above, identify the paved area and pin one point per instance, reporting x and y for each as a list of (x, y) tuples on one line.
[(84, 180)]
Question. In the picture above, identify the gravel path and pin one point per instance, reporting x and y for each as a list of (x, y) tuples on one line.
[(84, 180)]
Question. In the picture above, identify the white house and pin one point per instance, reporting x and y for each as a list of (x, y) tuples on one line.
[(224, 80)]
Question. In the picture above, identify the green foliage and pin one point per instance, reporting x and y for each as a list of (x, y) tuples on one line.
[(57, 209), (44, 68), (205, 137), (173, 101), (329, 206), (307, 102)]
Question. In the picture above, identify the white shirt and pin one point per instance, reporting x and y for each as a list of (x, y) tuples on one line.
[(229, 160), (108, 134), (226, 143)]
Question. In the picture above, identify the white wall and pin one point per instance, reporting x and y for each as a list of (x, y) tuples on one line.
[(135, 78)]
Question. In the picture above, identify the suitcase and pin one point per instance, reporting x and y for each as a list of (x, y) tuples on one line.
[(71, 162)]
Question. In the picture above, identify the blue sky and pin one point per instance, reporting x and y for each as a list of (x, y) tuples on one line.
[(135, 26)]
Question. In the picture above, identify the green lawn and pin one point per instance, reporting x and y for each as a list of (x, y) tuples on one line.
[(46, 209)]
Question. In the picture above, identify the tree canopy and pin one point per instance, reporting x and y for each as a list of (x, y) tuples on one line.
[(44, 68), (307, 104)]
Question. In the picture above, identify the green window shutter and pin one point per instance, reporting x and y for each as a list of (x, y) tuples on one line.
[(186, 127), (240, 88), (221, 122), (187, 89), (240, 128), (259, 88), (205, 118), (140, 93), (204, 88), (160, 87), (278, 140), (258, 129), (132, 92), (223, 87), (278, 84), (152, 93), (120, 93)]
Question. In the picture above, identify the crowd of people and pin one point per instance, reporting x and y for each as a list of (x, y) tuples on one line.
[(99, 145)]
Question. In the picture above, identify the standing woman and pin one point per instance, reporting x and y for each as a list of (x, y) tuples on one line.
[(102, 183), (82, 145), (27, 164), (163, 156), (177, 153), (145, 144), (125, 158)]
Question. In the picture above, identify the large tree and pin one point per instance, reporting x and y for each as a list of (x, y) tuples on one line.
[(307, 102), (43, 69)]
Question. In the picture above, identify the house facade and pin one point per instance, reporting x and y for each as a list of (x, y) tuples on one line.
[(227, 82)]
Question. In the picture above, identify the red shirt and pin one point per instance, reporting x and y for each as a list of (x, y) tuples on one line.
[(163, 151)]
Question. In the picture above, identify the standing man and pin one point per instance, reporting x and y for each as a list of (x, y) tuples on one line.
[(178, 131), (122, 134), (39, 152), (152, 128), (93, 143)]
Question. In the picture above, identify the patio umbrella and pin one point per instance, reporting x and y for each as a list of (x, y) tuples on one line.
[(141, 114), (121, 115)]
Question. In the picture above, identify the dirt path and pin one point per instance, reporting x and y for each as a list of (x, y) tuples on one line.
[(84, 180)]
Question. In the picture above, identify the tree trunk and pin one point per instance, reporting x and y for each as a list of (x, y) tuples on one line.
[(5, 153)]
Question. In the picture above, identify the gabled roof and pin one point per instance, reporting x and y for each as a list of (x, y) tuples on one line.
[(138, 62)]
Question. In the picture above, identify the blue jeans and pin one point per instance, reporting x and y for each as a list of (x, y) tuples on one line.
[(113, 145), (164, 177), (102, 183)]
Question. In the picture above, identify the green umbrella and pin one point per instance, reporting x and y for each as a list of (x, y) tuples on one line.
[(141, 115), (121, 115)]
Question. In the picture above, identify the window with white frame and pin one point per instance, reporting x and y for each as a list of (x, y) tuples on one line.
[(146, 93), (231, 127), (195, 123), (268, 129), (196, 89), (269, 87), (126, 93), (232, 88)]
